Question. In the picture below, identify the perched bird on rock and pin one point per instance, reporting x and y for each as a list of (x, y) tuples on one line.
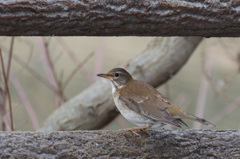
[(143, 105)]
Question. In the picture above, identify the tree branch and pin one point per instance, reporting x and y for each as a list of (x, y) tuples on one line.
[(118, 144), (94, 107), (120, 17)]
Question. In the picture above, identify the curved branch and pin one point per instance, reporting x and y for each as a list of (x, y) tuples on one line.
[(119, 18), (94, 107), (118, 144)]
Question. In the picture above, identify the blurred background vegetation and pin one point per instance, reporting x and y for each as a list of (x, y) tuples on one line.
[(209, 82)]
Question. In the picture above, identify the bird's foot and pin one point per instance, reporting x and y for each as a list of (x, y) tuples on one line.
[(143, 128)]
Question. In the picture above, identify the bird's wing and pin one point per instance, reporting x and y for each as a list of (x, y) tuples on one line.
[(151, 103)]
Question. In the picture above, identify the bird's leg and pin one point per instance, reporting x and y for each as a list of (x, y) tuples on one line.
[(135, 133), (146, 131), (143, 128)]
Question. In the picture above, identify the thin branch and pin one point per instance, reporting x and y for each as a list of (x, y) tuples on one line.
[(32, 71), (25, 101), (73, 57), (226, 110), (229, 50), (203, 89), (8, 70), (99, 58), (10, 57), (2, 107), (7, 89), (80, 65), (58, 57), (47, 63), (4, 93), (50, 71), (30, 54), (6, 122)]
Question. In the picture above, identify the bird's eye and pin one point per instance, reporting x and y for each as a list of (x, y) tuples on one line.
[(116, 74)]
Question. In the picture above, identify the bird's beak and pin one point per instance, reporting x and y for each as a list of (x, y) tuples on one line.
[(104, 75)]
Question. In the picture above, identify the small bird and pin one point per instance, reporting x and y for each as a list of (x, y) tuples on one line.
[(143, 105)]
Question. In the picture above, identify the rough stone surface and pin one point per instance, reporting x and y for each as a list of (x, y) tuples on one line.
[(109, 144), (215, 18)]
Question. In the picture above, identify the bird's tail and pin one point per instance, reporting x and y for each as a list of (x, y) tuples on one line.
[(195, 118)]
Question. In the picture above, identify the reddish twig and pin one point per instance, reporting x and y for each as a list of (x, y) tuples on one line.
[(218, 89), (10, 57), (58, 57), (226, 110), (203, 89), (32, 71), (30, 53), (50, 71), (228, 49), (2, 107), (74, 71), (99, 58), (25, 101), (7, 90), (230, 54), (4, 93), (73, 57)]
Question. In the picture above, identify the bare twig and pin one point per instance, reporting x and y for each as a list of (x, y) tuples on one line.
[(7, 90), (10, 56), (229, 50), (222, 83), (2, 107), (226, 110), (30, 53), (230, 54), (99, 58), (4, 92), (49, 68), (25, 101), (58, 57), (203, 89), (73, 57), (81, 64), (50, 71), (32, 71)]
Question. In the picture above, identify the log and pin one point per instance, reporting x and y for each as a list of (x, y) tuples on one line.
[(209, 18), (94, 107), (117, 144)]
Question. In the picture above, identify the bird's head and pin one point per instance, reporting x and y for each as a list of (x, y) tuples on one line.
[(118, 77)]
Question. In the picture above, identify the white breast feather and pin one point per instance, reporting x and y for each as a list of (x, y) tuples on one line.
[(113, 88)]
